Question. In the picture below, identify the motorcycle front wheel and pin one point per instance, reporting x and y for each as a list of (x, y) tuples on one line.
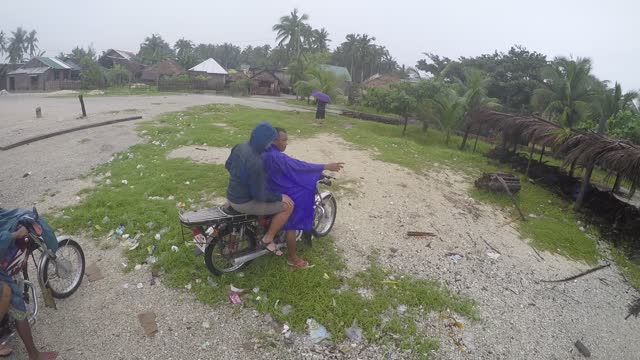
[(219, 254), (324, 216), (64, 274)]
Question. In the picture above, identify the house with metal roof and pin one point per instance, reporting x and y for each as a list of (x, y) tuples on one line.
[(342, 75), (43, 74), (210, 70), (126, 59)]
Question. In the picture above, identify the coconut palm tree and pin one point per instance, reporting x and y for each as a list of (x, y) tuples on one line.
[(183, 46), (320, 39), (154, 49), (3, 43), (16, 48), (614, 101), (290, 30), (449, 107), (31, 43), (474, 95), (568, 92)]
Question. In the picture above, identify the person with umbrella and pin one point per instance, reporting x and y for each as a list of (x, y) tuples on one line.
[(322, 100)]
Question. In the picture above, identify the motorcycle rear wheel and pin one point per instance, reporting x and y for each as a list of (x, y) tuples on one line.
[(64, 274), (218, 257)]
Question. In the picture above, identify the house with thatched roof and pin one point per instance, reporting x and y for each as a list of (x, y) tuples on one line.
[(43, 74), (126, 59), (265, 82), (162, 70), (211, 71)]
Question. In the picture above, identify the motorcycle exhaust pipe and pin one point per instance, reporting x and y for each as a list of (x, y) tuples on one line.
[(254, 255)]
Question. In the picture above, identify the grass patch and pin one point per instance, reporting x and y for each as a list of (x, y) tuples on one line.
[(629, 269), (145, 191), (555, 227)]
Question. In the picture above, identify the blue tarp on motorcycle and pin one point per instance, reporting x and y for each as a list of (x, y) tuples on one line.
[(9, 222)]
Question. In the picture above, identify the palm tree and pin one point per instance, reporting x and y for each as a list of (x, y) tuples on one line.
[(16, 48), (290, 30), (154, 49), (449, 108), (614, 101), (183, 47), (568, 92), (474, 95), (31, 43), (365, 52), (320, 39), (3, 43)]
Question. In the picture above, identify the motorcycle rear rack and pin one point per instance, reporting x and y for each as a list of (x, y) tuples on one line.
[(211, 216)]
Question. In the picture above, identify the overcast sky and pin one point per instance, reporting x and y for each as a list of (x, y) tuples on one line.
[(605, 31)]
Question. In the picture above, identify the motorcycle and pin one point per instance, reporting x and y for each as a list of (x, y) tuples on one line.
[(59, 273), (231, 240)]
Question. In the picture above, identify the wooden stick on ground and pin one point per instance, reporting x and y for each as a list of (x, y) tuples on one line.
[(513, 199), (579, 275), (537, 253), (491, 247)]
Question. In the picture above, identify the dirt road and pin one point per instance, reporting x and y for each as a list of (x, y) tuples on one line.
[(31, 173)]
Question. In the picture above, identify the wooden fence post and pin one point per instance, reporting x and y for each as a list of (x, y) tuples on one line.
[(84, 111)]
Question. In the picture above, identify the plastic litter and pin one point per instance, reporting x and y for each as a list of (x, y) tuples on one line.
[(139, 286), (256, 290), (316, 331), (234, 298), (402, 309), (285, 329), (120, 230), (326, 276), (235, 289), (492, 254), (456, 258), (174, 248), (188, 286), (125, 182), (354, 333), (212, 282), (204, 345), (157, 237)]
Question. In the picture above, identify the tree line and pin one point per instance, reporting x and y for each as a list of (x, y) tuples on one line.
[(563, 90)]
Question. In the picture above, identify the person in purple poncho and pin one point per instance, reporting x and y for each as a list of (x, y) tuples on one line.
[(298, 180)]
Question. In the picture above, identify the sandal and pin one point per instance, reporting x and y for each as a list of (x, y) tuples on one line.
[(5, 351), (299, 264), (275, 251)]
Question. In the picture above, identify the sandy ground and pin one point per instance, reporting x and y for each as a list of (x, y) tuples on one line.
[(522, 318), (53, 165)]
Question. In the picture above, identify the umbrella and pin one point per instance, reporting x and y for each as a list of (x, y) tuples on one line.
[(322, 97)]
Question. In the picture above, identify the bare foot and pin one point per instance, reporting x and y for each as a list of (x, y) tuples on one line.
[(45, 356), (5, 350)]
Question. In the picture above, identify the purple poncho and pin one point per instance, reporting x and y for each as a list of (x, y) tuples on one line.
[(298, 180)]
